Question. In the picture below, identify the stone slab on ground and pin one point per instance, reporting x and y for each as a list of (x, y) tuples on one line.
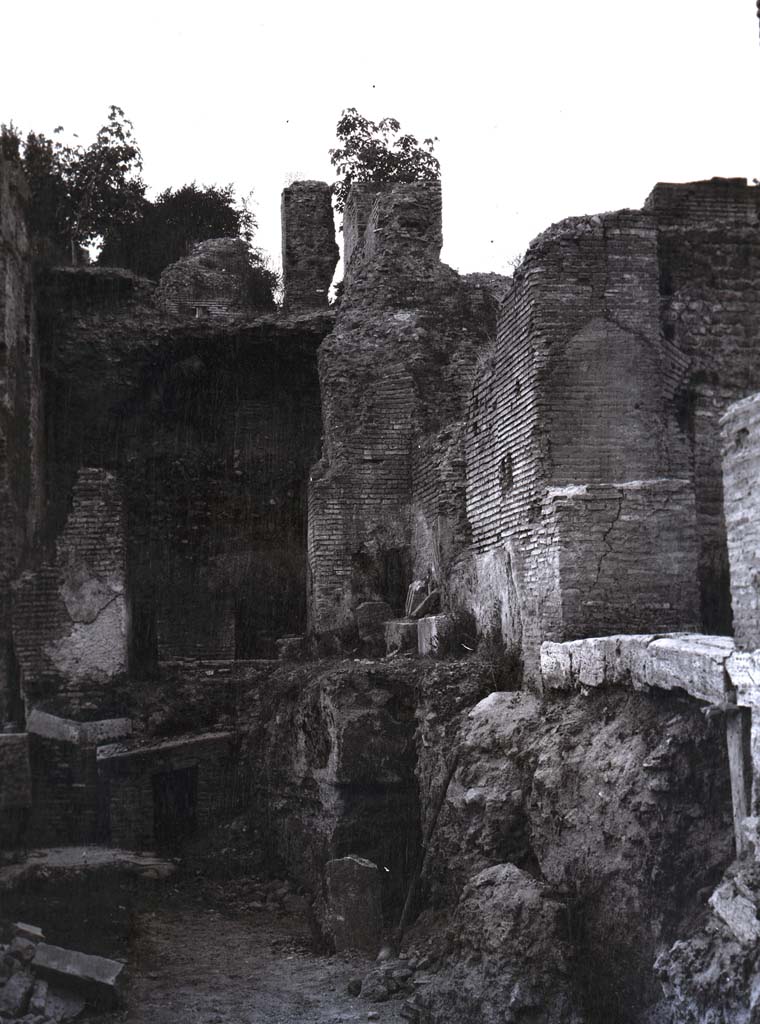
[(354, 911), (64, 860), (96, 977)]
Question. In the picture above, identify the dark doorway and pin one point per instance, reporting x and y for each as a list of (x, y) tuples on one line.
[(175, 797)]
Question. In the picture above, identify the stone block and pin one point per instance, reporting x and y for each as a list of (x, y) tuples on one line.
[(28, 931), (95, 977), (354, 912), (39, 997), (690, 662), (434, 636), (400, 635), (735, 904), (14, 997), (685, 661)]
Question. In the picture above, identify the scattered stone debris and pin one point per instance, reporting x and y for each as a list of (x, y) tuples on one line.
[(44, 984)]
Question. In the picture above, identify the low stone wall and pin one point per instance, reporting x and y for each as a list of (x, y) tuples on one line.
[(195, 801)]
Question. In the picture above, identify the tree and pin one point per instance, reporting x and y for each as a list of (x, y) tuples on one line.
[(166, 230), (378, 153), (79, 192)]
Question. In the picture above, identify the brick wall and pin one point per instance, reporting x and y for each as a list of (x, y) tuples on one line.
[(126, 777), (20, 415), (741, 481), (579, 391), (70, 618), (709, 278), (386, 495)]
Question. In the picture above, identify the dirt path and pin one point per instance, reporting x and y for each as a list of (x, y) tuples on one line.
[(198, 965)]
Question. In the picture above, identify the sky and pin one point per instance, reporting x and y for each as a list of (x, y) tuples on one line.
[(543, 109)]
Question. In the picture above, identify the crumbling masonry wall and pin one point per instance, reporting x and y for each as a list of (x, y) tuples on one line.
[(309, 251), (393, 375), (20, 416), (70, 616), (741, 478), (708, 248), (578, 490)]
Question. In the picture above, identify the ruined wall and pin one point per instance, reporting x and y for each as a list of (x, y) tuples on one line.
[(217, 471), (20, 416), (15, 787), (309, 251), (393, 377), (741, 483), (70, 617), (576, 466), (216, 282), (139, 814), (709, 280)]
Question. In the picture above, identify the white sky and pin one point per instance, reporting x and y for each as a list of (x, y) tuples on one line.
[(544, 108)]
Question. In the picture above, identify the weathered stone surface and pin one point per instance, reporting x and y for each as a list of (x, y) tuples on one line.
[(625, 793), (400, 635), (28, 931), (741, 472), (354, 911), (434, 636), (309, 251), (512, 962), (14, 995), (736, 905), (687, 661), (713, 974), (96, 977), (385, 501), (39, 997), (63, 1005), (70, 617)]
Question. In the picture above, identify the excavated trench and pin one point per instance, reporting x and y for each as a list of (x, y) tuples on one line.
[(577, 840)]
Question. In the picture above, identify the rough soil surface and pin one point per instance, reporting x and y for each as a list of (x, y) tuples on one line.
[(211, 956)]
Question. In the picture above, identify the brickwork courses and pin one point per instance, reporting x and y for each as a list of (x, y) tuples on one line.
[(393, 377), (741, 476)]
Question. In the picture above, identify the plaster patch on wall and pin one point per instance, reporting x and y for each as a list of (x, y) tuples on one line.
[(96, 649)]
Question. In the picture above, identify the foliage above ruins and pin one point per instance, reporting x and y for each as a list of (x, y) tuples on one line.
[(166, 230), (78, 192), (378, 153)]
